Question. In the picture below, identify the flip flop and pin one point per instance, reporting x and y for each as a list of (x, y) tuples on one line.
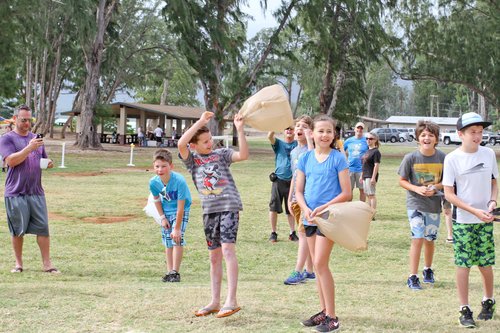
[(52, 270), (17, 270), (227, 311), (205, 312), (450, 240)]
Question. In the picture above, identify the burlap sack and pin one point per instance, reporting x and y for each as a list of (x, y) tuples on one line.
[(151, 210), (268, 110), (347, 224)]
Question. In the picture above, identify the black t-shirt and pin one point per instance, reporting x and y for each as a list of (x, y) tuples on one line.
[(371, 157)]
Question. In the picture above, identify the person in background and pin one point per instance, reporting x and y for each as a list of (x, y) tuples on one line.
[(356, 147), (140, 136), (158, 135), (305, 142), (371, 165), (281, 179), (25, 202)]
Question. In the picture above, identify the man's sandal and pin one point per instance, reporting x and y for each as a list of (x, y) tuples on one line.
[(17, 270)]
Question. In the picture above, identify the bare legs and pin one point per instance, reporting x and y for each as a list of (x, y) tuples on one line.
[(174, 258), (43, 244), (228, 252), (416, 250)]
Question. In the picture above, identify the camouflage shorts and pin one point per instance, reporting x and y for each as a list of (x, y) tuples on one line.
[(220, 228), (474, 244)]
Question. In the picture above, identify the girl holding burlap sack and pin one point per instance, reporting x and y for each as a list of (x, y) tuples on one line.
[(322, 179)]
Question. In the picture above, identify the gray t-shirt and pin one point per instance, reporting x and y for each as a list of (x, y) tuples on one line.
[(422, 170), (213, 180)]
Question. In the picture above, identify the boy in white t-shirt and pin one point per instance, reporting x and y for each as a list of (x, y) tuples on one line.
[(470, 184)]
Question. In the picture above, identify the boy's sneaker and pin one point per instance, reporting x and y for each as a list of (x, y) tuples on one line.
[(466, 319), (172, 276), (328, 325), (294, 278), (274, 237), (414, 283), (428, 275), (175, 277), (315, 320), (308, 276), (166, 278), (488, 308), (293, 237)]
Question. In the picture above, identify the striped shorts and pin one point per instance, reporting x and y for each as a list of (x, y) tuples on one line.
[(165, 233)]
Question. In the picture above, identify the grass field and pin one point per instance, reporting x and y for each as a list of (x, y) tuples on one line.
[(111, 272)]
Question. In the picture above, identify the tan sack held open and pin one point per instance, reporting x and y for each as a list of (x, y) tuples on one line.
[(268, 110), (347, 224)]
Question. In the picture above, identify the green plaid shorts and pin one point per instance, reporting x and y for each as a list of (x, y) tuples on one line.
[(474, 244)]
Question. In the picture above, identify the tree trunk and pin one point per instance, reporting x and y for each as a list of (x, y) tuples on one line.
[(164, 93), (29, 80), (35, 88), (339, 82), (369, 102), (325, 95), (41, 115), (88, 137)]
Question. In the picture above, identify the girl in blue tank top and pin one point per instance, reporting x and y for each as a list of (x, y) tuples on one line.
[(322, 179)]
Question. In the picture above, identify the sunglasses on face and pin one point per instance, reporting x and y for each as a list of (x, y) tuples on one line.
[(369, 139), (24, 120), (288, 129)]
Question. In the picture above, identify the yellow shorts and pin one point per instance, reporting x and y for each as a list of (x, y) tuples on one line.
[(297, 214)]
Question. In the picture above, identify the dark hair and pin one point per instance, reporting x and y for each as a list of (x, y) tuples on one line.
[(196, 135), (21, 107), (423, 125), (324, 117), (163, 155)]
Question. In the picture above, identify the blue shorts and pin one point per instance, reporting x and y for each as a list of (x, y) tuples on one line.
[(423, 225), (165, 233)]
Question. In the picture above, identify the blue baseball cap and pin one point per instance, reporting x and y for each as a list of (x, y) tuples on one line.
[(469, 119)]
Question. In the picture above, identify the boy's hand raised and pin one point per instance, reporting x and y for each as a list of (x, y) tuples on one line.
[(238, 122), (206, 116)]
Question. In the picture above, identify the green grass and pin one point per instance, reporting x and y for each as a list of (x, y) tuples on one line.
[(111, 279)]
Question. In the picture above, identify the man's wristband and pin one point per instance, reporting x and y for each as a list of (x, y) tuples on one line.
[(162, 217), (489, 202)]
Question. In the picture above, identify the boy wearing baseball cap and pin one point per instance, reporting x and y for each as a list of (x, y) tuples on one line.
[(470, 184)]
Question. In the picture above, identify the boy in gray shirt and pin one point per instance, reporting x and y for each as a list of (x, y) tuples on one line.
[(421, 173), (221, 205)]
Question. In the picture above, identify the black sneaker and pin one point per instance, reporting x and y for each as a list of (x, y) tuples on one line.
[(175, 277), (488, 308), (166, 278), (328, 325), (293, 237), (413, 283), (428, 274), (274, 237), (466, 319), (315, 320)]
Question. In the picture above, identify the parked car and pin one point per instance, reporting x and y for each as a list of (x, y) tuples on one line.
[(491, 137), (451, 136), (411, 131), (404, 135), (386, 134), (347, 134)]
